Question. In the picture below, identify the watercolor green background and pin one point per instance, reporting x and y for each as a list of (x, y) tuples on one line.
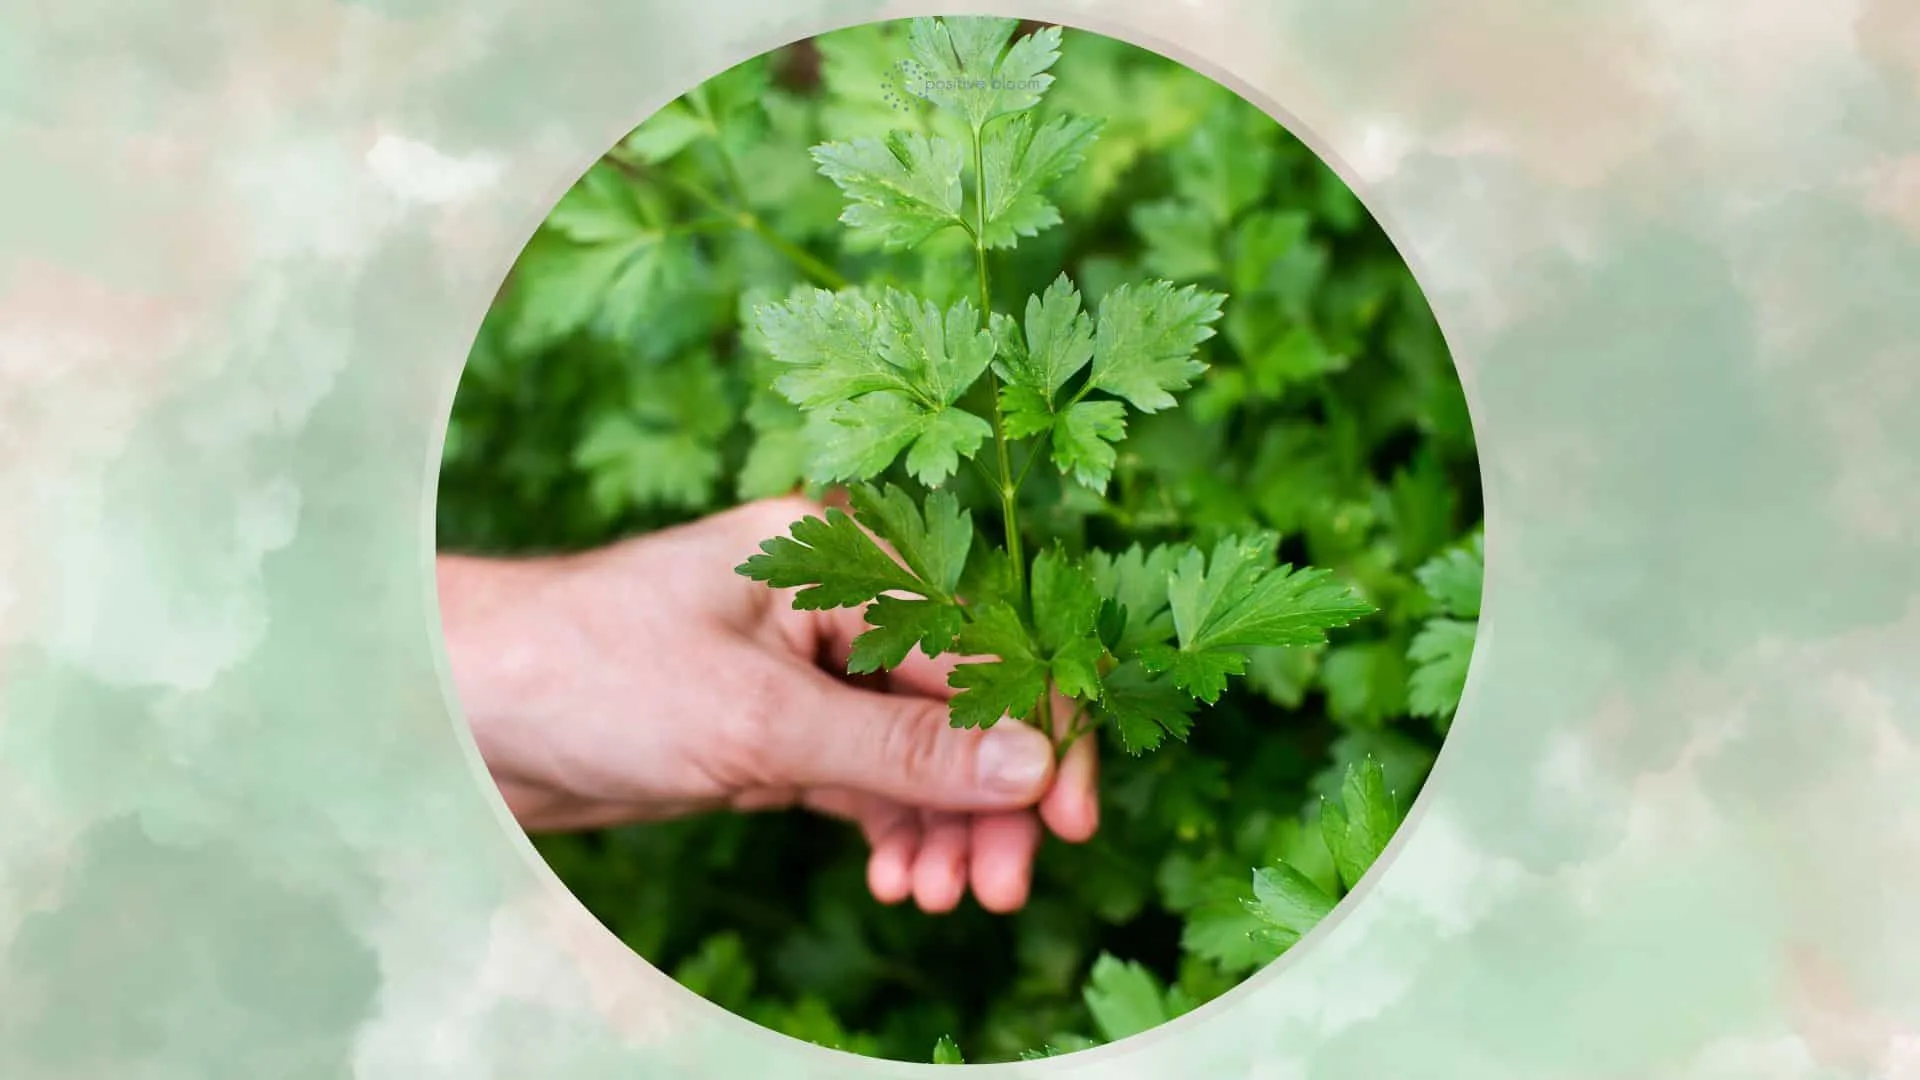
[(1675, 249)]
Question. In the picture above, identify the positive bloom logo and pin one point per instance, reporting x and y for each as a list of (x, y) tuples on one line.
[(909, 84)]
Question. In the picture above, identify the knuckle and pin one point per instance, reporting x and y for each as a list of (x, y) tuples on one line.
[(914, 746)]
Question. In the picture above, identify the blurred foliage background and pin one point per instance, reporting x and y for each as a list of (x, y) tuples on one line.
[(611, 391)]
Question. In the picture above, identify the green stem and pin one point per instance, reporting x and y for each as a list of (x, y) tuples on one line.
[(1009, 490), (822, 274), (1076, 728)]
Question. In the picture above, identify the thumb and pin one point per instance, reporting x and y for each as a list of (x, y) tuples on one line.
[(902, 747)]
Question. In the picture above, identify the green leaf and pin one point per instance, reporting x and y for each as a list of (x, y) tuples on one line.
[(1201, 592), (1066, 599), (629, 465), (861, 438), (1181, 240), (865, 82), (1358, 827), (1229, 933), (1454, 578), (945, 1052), (775, 464), (941, 440), (1057, 343), (600, 258), (1240, 602), (1284, 606), (1022, 159), (1283, 674), (1287, 903), (662, 448), (1227, 163), (1260, 244), (1366, 682), (989, 578), (1280, 353), (1202, 674), (880, 378), (1024, 413), (1076, 668), (1440, 652), (898, 626), (965, 65), (836, 561), (1145, 339), (1066, 606), (1142, 709), (1008, 686), (933, 542), (901, 190), (1136, 580), (828, 346), (1124, 998), (1421, 507), (667, 132), (1083, 441)]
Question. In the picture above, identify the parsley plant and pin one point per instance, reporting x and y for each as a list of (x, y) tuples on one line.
[(1132, 639)]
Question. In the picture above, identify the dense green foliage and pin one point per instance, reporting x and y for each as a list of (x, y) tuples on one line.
[(631, 375)]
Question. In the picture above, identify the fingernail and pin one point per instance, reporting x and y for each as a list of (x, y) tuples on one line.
[(1013, 758)]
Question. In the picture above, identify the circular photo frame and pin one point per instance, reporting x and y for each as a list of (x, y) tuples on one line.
[(247, 831)]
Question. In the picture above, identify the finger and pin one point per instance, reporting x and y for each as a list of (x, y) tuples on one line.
[(1071, 807), (940, 870), (927, 677), (873, 816), (890, 868), (900, 747), (1001, 859)]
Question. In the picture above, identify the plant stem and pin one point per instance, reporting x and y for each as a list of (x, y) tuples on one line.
[(822, 274), (1009, 490)]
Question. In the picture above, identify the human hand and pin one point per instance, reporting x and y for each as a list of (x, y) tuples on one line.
[(649, 680)]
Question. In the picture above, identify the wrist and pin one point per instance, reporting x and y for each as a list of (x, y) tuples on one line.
[(492, 624)]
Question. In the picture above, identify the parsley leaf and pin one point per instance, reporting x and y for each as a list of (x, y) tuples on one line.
[(1146, 338), (1181, 240), (965, 65), (902, 190), (934, 544), (1021, 159), (1083, 439), (945, 1052), (1008, 686), (826, 342), (1066, 606), (1287, 903), (1057, 344), (880, 377), (899, 625), (836, 561), (1453, 579), (1239, 602), (1135, 581), (1142, 709), (1441, 652), (1358, 827), (1125, 999)]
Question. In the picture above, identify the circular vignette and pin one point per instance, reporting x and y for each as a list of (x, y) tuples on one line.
[(1349, 176)]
